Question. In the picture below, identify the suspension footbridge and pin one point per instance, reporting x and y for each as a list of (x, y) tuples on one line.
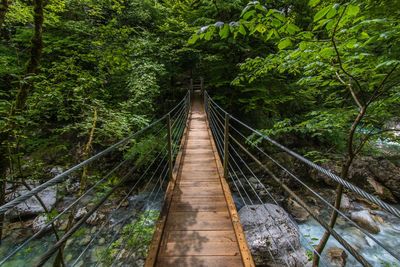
[(198, 155)]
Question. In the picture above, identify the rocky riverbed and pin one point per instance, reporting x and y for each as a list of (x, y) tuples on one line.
[(90, 244)]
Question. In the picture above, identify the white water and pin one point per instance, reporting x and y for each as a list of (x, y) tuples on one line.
[(373, 253)]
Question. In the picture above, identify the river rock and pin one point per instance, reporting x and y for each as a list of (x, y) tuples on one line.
[(95, 218), (269, 230), (253, 180), (32, 206), (39, 223), (298, 212), (387, 174), (365, 220), (80, 213), (345, 203), (337, 257)]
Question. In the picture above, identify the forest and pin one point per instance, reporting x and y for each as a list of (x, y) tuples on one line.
[(320, 77)]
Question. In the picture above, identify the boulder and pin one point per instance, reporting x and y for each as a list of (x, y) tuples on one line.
[(383, 192), (32, 206), (272, 235), (337, 257), (364, 219), (39, 223), (386, 173), (296, 210), (345, 203), (321, 177)]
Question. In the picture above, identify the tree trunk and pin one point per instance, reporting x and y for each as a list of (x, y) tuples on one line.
[(3, 10), (3, 183), (20, 102), (86, 152), (339, 190), (36, 55)]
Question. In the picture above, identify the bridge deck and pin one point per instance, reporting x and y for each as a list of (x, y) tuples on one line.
[(201, 225)]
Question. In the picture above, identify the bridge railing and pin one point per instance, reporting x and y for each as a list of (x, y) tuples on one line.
[(242, 147), (117, 208)]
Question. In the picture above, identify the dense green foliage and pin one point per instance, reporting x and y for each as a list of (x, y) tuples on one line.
[(314, 55), (300, 70), (322, 77)]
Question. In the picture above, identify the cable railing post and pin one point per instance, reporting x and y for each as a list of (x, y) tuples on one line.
[(169, 136), (226, 146), (202, 85)]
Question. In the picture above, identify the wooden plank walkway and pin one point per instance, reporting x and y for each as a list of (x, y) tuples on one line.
[(199, 225)]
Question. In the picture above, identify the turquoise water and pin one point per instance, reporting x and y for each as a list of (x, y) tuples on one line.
[(372, 252)]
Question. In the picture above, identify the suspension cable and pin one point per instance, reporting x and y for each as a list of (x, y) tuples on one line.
[(392, 253), (218, 139), (119, 205), (270, 195), (61, 177), (336, 178), (222, 125)]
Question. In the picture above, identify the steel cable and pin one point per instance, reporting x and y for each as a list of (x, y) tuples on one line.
[(336, 178), (392, 253)]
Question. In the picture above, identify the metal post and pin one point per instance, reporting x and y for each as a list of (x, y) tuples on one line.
[(169, 136), (202, 85), (226, 146), (191, 86)]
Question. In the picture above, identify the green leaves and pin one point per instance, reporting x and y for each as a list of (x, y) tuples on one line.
[(224, 31), (352, 10), (313, 3), (284, 43), (320, 14), (193, 39)]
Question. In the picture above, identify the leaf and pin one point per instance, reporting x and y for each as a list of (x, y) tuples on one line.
[(388, 63), (351, 43), (327, 52), (329, 26), (320, 14), (224, 32), (261, 28), (249, 14), (364, 36), (284, 43), (208, 35), (303, 45), (332, 12), (352, 10), (242, 30), (279, 16), (291, 28), (193, 39), (313, 3)]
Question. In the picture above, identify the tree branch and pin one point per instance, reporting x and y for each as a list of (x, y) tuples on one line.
[(340, 59), (350, 87)]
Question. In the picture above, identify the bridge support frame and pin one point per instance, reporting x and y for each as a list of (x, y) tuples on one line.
[(226, 146), (170, 156)]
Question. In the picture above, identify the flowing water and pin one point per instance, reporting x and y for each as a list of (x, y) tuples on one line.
[(389, 236), (78, 242)]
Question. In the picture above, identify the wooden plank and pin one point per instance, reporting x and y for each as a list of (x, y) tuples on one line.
[(214, 236), (160, 226), (200, 247), (195, 183), (200, 261), (199, 206), (197, 198), (244, 249), (198, 228), (193, 223)]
